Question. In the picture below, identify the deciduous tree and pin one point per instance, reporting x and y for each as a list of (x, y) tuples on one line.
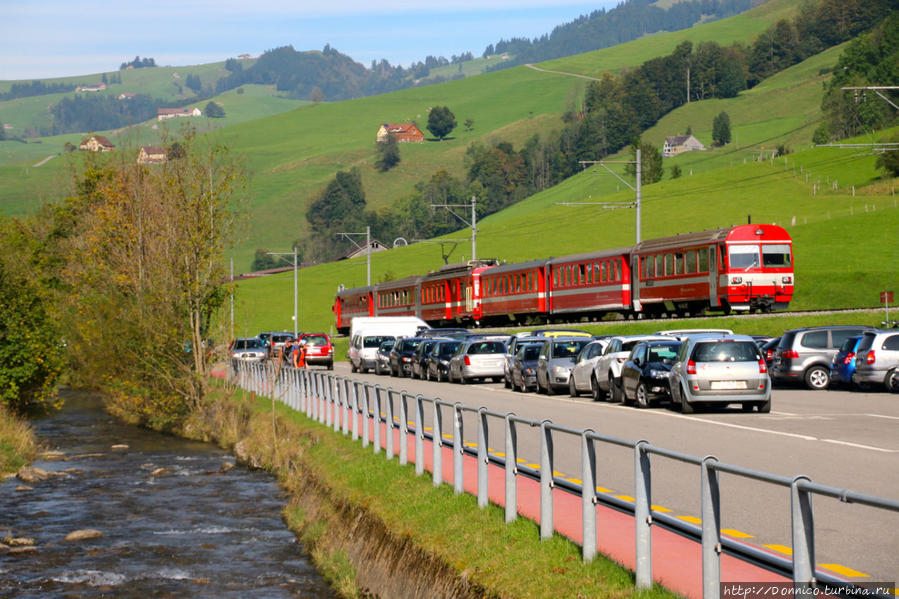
[(441, 122)]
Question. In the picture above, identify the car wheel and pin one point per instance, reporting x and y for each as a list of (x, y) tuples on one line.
[(540, 388), (572, 388), (641, 396), (550, 390), (817, 378), (764, 406), (892, 381), (353, 367), (615, 392), (598, 393), (331, 365), (507, 383), (439, 376), (685, 406)]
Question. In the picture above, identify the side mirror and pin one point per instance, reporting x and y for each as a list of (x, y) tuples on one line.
[(636, 361)]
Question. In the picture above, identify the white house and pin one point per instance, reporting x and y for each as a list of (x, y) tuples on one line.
[(676, 144)]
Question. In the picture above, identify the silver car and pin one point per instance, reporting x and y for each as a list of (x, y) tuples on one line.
[(720, 369), (478, 359), (877, 360), (581, 379), (555, 362), (247, 349)]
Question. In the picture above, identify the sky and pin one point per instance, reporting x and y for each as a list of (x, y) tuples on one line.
[(54, 38)]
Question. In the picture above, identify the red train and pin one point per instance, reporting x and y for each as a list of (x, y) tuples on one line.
[(743, 268)]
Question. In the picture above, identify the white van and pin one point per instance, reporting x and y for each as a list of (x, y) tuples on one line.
[(368, 332)]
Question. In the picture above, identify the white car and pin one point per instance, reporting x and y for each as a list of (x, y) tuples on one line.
[(581, 379)]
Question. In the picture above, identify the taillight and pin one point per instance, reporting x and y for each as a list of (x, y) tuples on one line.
[(691, 367), (769, 353), (849, 357), (467, 361), (790, 354), (869, 359), (763, 368)]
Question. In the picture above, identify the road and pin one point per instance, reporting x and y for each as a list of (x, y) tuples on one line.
[(838, 438)]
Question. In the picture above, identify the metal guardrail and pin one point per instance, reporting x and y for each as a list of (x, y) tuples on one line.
[(341, 402)]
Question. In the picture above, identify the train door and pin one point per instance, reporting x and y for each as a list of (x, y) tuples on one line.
[(635, 283), (714, 301)]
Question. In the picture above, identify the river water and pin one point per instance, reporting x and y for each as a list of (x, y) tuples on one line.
[(192, 529)]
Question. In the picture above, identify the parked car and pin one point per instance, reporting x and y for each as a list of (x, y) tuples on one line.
[(382, 359), (402, 355), (843, 365), (555, 361), (560, 333), (319, 349), (446, 333), (720, 370), (877, 359), (768, 350), (806, 354), (274, 342), (644, 377), (687, 332), (523, 367), (477, 359), (511, 348), (420, 358), (438, 359), (607, 372), (581, 379), (363, 351), (246, 350)]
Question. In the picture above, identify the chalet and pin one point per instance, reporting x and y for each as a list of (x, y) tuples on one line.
[(244, 56), (374, 247), (151, 155), (97, 87), (126, 96), (97, 143), (170, 113), (677, 144), (404, 132)]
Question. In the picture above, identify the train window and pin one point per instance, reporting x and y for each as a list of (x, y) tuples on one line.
[(776, 255), (678, 263), (660, 266), (743, 256), (650, 267), (690, 262), (582, 273), (703, 255), (555, 278), (669, 264)]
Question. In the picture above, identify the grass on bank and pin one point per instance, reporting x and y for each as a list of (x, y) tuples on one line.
[(507, 560), (18, 445)]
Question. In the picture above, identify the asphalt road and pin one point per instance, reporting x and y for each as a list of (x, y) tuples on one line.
[(839, 438)]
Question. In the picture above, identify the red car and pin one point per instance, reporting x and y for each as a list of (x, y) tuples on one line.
[(319, 349)]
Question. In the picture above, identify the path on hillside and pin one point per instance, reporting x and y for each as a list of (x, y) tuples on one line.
[(536, 68), (46, 160)]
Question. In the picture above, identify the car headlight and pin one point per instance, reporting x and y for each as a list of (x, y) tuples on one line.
[(560, 370), (529, 371), (658, 374)]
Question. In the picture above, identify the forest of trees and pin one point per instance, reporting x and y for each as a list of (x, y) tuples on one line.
[(36, 88)]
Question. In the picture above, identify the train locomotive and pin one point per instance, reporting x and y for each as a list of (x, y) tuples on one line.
[(745, 268)]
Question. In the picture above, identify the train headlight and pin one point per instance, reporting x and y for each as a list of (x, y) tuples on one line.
[(737, 280), (786, 280)]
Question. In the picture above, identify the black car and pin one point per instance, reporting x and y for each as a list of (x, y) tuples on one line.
[(382, 360), (513, 345), (402, 354), (523, 366), (644, 377), (420, 358), (438, 359)]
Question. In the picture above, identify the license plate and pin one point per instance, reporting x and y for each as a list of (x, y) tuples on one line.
[(728, 384)]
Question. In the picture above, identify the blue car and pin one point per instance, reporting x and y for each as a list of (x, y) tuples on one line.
[(844, 362)]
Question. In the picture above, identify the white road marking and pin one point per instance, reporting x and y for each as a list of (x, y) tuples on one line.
[(860, 446)]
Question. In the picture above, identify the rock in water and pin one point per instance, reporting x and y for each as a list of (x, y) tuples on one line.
[(83, 535)]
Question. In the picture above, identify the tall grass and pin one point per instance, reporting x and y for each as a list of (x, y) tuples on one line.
[(18, 445)]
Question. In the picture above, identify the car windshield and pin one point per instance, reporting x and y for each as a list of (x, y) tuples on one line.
[(568, 349), (385, 347), (662, 353), (725, 351), (410, 345), (281, 338), (448, 349), (374, 341), (486, 347), (316, 340), (848, 344), (530, 352), (248, 344)]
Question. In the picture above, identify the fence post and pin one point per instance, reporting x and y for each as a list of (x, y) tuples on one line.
[(328, 384), (355, 412), (437, 474), (546, 480), (419, 435), (588, 495), (483, 458), (711, 530), (388, 425), (458, 450), (803, 524), (643, 515), (404, 429), (511, 469), (322, 402), (345, 408), (365, 434), (313, 394), (376, 420)]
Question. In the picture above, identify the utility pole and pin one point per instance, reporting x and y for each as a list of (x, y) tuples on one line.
[(473, 223), (613, 205), (232, 298), (296, 319), (367, 251)]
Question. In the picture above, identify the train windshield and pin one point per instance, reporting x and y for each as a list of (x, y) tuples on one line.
[(776, 255), (743, 256)]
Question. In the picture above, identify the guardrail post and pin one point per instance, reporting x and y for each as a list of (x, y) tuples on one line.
[(458, 450), (345, 408), (643, 515), (338, 403), (313, 394), (803, 524), (483, 458), (329, 399), (419, 435), (355, 411), (546, 480), (404, 428), (437, 434), (376, 420), (388, 425), (322, 403), (511, 469), (365, 434), (588, 496), (711, 530)]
